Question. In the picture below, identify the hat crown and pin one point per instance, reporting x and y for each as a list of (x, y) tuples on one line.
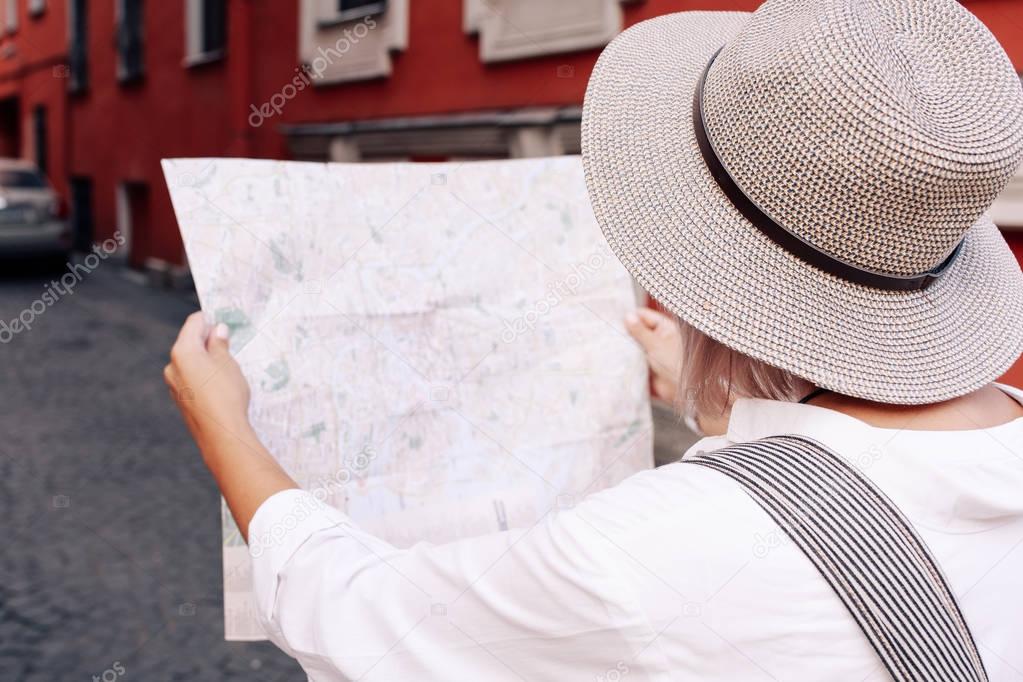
[(879, 131)]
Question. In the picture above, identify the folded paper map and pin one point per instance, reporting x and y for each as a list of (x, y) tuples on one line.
[(436, 349)]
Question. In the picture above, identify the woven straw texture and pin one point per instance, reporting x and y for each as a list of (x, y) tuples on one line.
[(877, 131)]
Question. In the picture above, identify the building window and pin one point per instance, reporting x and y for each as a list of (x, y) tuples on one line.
[(36, 7), (206, 31), (348, 10), (214, 25), (133, 221), (78, 53), (331, 29), (522, 29), (40, 138), (82, 220), (131, 55), (10, 127), (12, 16)]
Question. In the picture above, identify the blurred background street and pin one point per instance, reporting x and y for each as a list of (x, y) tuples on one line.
[(112, 550)]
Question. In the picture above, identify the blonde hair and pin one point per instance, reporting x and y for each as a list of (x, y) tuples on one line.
[(713, 376)]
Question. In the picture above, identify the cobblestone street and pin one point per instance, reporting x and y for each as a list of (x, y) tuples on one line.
[(110, 569), (112, 566)]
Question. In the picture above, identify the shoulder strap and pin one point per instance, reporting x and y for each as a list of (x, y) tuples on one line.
[(864, 548)]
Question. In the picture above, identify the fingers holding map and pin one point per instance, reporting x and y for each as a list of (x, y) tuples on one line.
[(436, 349)]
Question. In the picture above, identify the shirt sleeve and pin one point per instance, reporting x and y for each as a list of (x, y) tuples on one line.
[(513, 605)]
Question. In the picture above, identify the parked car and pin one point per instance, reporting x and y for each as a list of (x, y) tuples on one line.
[(33, 217)]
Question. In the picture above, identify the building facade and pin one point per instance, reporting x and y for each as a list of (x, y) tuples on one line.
[(98, 91)]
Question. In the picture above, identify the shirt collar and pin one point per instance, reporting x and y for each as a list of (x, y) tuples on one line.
[(955, 481), (755, 418)]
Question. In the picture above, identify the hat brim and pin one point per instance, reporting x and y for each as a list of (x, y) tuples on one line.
[(676, 232)]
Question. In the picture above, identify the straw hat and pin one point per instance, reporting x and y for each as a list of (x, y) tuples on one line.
[(807, 185)]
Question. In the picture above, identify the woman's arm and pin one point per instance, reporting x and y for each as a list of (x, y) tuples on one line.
[(213, 397), (571, 597)]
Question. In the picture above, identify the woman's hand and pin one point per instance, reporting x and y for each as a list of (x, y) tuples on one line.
[(206, 382), (659, 336), (213, 396)]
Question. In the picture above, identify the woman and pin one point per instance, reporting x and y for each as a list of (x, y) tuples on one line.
[(804, 188)]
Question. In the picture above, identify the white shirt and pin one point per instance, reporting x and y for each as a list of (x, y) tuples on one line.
[(676, 573)]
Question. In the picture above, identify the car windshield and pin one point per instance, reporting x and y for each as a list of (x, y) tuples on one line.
[(21, 179)]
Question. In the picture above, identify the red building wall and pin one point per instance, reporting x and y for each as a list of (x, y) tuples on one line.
[(32, 74), (119, 132), (114, 133), (440, 72)]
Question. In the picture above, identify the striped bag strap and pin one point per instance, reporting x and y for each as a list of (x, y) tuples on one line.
[(864, 548)]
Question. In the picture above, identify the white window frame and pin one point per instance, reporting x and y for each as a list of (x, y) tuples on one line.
[(521, 29), (330, 13), (367, 55), (194, 53)]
